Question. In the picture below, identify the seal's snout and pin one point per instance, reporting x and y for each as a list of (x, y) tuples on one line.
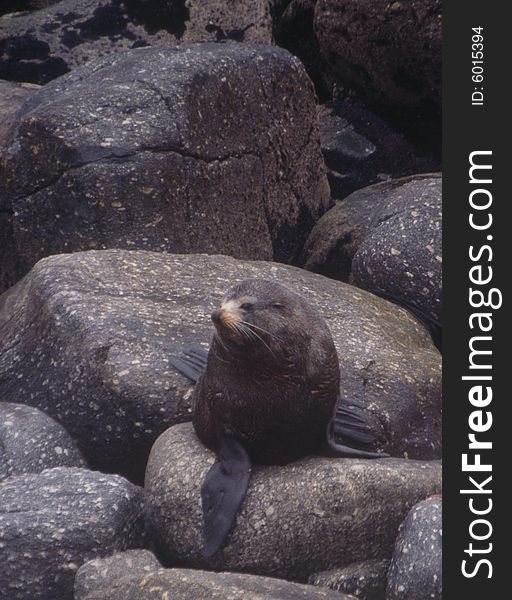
[(225, 318)]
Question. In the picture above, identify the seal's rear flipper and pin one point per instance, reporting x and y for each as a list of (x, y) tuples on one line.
[(335, 449), (222, 493), (348, 425), (191, 363)]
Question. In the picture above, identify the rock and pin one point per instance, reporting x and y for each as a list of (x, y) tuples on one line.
[(365, 580), (42, 45), (385, 238), (31, 442), (9, 6), (154, 145), (416, 566), (12, 95), (401, 256), (184, 584), (87, 339), (296, 519), (359, 149), (97, 576), (219, 20), (390, 52), (53, 522), (294, 31)]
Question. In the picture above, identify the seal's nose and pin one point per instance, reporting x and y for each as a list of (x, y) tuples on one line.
[(216, 316)]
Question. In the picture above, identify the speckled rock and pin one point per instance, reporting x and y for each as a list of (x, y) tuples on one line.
[(9, 6), (220, 20), (39, 46), (296, 519), (401, 255), (87, 339), (416, 566), (97, 576), (12, 96), (53, 522), (184, 584), (361, 149), (154, 146), (389, 51), (387, 239), (31, 442), (365, 580)]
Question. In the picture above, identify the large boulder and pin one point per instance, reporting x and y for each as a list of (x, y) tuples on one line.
[(31, 442), (416, 566), (177, 150), (87, 339), (53, 522), (39, 46), (366, 580), (12, 96), (389, 51), (185, 584), (296, 519), (386, 238)]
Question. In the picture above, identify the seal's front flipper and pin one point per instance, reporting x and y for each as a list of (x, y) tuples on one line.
[(335, 449), (191, 363), (222, 493)]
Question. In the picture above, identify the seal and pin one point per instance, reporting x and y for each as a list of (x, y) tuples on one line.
[(268, 395)]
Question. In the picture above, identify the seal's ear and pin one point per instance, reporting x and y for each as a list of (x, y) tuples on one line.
[(222, 493)]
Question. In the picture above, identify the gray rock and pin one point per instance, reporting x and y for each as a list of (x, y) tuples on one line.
[(53, 522), (184, 584), (87, 339), (39, 46), (31, 442), (219, 20), (9, 6), (402, 254), (12, 95), (416, 566), (360, 149), (151, 149), (365, 580), (385, 238), (98, 576), (389, 51), (296, 519)]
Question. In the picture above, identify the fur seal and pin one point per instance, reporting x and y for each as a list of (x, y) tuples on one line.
[(268, 394)]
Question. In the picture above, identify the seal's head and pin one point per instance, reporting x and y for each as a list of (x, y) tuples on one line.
[(264, 316)]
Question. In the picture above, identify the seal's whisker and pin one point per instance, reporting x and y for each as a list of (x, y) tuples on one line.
[(221, 342), (251, 325), (246, 331), (254, 334)]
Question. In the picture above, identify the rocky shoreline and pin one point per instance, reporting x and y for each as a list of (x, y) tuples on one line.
[(152, 154)]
